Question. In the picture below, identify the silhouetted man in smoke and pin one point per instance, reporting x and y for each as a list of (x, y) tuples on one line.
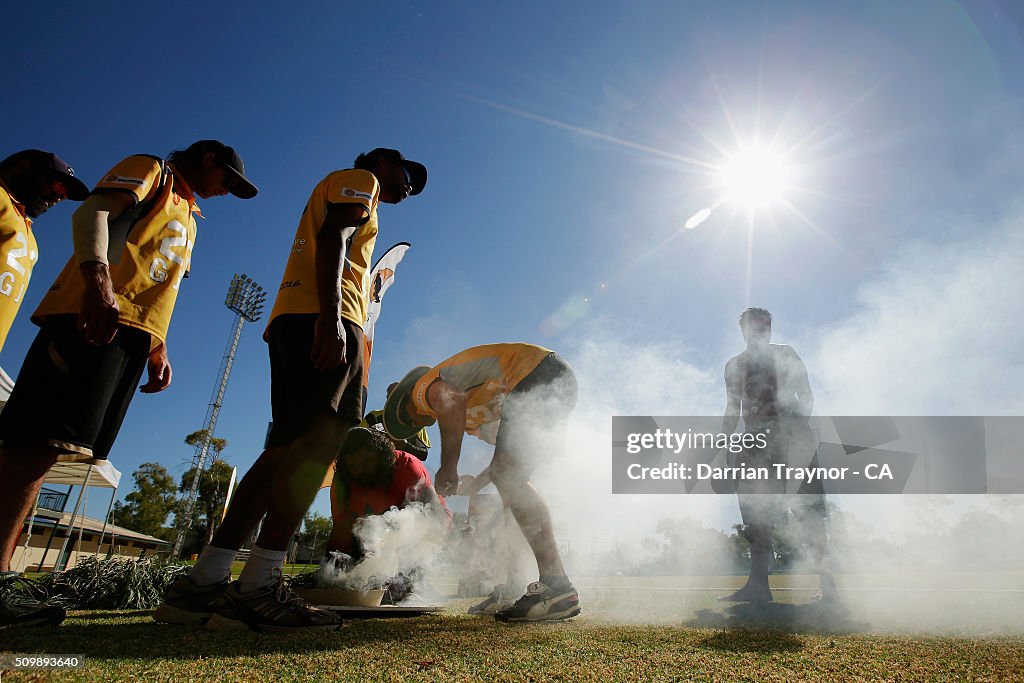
[(768, 385)]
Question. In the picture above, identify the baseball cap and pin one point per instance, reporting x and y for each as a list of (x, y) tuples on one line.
[(417, 171), (231, 161), (52, 165)]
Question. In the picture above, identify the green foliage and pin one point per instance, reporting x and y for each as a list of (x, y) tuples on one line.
[(147, 507), (216, 445), (112, 583), (213, 491), (316, 529)]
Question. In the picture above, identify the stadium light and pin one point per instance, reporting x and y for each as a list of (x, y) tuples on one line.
[(245, 298)]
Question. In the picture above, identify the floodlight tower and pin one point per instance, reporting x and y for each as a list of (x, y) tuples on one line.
[(245, 299)]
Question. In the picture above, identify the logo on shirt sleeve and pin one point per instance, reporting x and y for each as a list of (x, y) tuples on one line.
[(349, 192), (124, 180)]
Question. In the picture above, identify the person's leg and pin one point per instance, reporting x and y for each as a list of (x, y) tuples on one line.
[(533, 429), (68, 403), (535, 416), (21, 475), (811, 515), (760, 538), (247, 508), (758, 532), (530, 512), (811, 512), (298, 478), (249, 501), (323, 406)]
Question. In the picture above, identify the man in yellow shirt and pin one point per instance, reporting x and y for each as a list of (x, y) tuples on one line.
[(105, 319), (31, 181), (316, 353), (532, 391)]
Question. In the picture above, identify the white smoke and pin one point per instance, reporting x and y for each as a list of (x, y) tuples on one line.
[(400, 541), (938, 333)]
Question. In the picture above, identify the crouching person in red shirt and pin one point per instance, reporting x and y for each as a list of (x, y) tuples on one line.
[(372, 477)]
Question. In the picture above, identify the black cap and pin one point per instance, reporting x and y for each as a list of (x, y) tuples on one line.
[(231, 161), (51, 165), (417, 171)]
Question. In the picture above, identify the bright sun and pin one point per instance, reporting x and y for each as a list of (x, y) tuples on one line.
[(755, 176)]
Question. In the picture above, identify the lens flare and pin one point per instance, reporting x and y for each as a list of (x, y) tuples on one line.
[(756, 177)]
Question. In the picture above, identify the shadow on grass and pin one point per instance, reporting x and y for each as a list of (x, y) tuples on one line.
[(743, 640), (816, 617), (133, 635)]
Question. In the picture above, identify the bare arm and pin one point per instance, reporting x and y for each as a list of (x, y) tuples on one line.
[(449, 404), (801, 383), (332, 243), (468, 484), (90, 227), (733, 397), (428, 496)]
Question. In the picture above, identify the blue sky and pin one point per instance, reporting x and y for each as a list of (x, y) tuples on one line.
[(567, 144)]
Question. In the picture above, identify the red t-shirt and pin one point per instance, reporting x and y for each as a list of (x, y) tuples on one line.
[(409, 478)]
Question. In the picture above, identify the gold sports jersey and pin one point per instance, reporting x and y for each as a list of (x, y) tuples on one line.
[(18, 254), (298, 292), (486, 374), (149, 251)]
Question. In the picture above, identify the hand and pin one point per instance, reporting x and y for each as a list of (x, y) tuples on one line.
[(446, 481), (159, 369), (98, 317), (468, 485), (328, 350), (337, 562)]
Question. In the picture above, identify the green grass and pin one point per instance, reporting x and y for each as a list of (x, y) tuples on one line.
[(685, 635)]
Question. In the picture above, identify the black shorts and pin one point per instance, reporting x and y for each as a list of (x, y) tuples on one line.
[(298, 391), (535, 414), (71, 395)]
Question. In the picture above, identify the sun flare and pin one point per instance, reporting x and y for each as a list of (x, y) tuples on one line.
[(755, 177)]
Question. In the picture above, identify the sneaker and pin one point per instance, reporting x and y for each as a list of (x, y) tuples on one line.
[(491, 604), (542, 603), (188, 603), (23, 602), (273, 608)]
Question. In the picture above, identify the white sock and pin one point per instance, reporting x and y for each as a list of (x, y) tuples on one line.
[(213, 565), (258, 571)]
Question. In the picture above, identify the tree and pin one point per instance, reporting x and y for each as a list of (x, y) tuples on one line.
[(210, 498), (216, 445), (316, 529), (147, 507)]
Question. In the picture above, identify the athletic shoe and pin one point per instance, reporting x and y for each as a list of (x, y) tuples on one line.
[(273, 608), (491, 604), (24, 603), (190, 604), (542, 603)]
